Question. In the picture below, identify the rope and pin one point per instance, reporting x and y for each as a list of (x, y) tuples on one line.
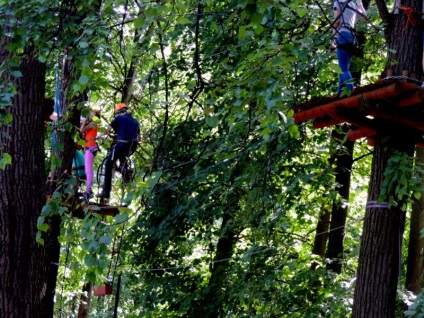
[(409, 15), (406, 78), (57, 107)]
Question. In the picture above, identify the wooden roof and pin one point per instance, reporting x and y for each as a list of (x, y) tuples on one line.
[(385, 107)]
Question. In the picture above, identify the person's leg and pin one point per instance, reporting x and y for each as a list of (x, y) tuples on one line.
[(88, 163), (119, 152), (122, 153), (110, 161), (344, 57)]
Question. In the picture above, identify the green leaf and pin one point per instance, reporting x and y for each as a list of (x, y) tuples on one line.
[(91, 276), (138, 23), (152, 181), (39, 239), (89, 260), (16, 73), (150, 12), (76, 87), (8, 118), (40, 220), (242, 33), (56, 162), (6, 160), (212, 121), (83, 80), (293, 130), (105, 239), (43, 227), (183, 20), (121, 217), (83, 45), (302, 12), (335, 68)]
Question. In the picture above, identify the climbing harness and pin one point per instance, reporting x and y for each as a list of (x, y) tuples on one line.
[(348, 45)]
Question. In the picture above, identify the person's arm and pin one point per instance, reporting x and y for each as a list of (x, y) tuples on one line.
[(335, 26), (53, 116), (85, 126), (361, 9), (108, 129), (336, 23)]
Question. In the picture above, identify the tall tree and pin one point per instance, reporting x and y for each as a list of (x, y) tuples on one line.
[(25, 288), (379, 258), (344, 161), (414, 263)]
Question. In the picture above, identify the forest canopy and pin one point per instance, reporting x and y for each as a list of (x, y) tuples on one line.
[(221, 217)]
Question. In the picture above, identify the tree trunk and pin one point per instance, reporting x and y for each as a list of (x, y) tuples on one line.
[(25, 288), (403, 39), (321, 235), (379, 258), (344, 161), (211, 304), (380, 253), (415, 267), (84, 306)]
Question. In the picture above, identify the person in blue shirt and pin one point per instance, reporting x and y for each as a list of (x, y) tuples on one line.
[(127, 129)]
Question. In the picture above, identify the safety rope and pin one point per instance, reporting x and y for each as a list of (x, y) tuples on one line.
[(409, 16)]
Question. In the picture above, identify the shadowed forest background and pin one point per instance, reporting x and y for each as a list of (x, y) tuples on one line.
[(234, 211)]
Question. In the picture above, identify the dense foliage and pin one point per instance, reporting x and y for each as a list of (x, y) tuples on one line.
[(221, 217)]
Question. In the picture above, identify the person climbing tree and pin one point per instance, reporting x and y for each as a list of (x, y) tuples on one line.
[(346, 15), (127, 129), (89, 128)]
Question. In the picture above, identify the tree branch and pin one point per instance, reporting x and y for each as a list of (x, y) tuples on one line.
[(385, 15)]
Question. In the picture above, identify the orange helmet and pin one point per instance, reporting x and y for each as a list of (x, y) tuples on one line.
[(120, 106)]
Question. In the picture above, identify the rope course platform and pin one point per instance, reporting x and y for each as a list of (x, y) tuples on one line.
[(99, 208), (387, 107)]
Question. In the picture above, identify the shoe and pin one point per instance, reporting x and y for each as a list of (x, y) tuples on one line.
[(103, 195), (87, 195)]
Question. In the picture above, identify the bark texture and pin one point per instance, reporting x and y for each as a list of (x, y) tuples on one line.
[(379, 257), (25, 290), (403, 35), (344, 161), (415, 266)]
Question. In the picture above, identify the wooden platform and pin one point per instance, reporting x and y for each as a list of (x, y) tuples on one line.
[(386, 107), (101, 209)]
